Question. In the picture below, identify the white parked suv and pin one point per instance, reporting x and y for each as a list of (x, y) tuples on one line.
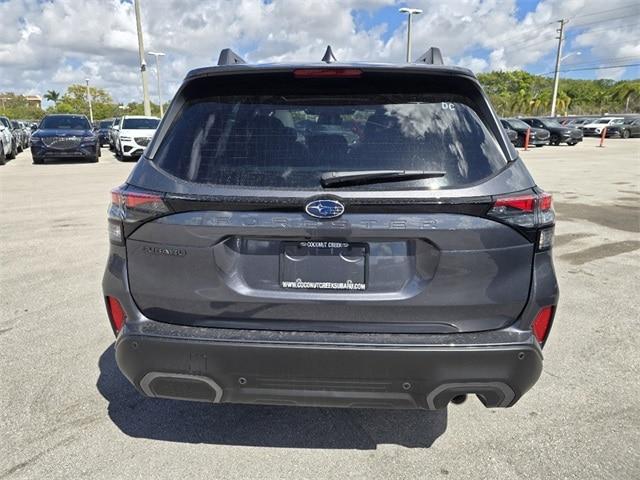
[(595, 127), (8, 147), (134, 134)]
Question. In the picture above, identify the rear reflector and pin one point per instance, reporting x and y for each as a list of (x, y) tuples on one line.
[(545, 238), (541, 324), (117, 316), (327, 73)]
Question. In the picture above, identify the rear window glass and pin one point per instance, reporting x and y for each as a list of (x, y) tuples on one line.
[(140, 123), (65, 123), (515, 123), (289, 142), (551, 123)]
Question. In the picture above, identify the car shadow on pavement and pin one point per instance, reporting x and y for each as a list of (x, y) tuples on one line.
[(265, 426)]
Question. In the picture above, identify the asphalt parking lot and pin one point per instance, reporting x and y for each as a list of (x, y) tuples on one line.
[(67, 412)]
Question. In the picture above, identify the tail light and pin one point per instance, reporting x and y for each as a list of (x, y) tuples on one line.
[(542, 324), (130, 207), (532, 213), (117, 315)]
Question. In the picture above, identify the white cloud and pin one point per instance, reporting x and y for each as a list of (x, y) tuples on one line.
[(51, 44)]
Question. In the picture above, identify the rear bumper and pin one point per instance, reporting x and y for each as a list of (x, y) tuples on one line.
[(384, 370), (319, 369)]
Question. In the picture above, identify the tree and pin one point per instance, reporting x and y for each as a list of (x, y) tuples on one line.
[(137, 108), (521, 93), (52, 96), (628, 92), (75, 100), (17, 107)]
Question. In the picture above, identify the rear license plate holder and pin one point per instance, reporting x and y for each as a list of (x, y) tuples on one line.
[(324, 265)]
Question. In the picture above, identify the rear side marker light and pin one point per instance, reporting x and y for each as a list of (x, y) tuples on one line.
[(117, 315), (542, 323), (327, 73)]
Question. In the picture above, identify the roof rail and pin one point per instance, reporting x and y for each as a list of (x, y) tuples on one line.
[(328, 56), (433, 56), (229, 57)]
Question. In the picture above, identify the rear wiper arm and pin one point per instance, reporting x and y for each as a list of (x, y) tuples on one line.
[(368, 177)]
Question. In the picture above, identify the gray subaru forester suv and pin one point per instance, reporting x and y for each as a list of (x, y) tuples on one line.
[(330, 234)]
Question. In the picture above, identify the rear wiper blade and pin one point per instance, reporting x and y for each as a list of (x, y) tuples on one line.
[(368, 177)]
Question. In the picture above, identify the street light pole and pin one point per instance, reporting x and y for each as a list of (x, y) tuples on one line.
[(143, 64), (556, 76), (158, 54), (89, 100), (410, 12)]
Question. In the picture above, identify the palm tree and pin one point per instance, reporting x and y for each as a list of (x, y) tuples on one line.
[(625, 91), (52, 96)]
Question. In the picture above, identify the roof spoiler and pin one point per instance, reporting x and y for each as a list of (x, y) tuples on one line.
[(433, 56), (229, 57)]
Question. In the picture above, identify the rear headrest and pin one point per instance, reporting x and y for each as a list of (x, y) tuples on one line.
[(266, 123), (380, 124)]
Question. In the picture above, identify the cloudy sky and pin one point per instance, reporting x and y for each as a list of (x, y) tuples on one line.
[(50, 44)]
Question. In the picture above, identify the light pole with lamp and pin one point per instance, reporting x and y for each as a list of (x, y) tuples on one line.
[(556, 80), (143, 64), (410, 13), (89, 100)]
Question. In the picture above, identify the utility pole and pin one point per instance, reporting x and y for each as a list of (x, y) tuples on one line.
[(158, 54), (89, 100), (556, 76), (410, 13), (143, 64)]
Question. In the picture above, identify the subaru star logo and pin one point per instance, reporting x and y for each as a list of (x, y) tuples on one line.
[(324, 208)]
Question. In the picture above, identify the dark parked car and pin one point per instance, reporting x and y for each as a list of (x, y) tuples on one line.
[(103, 131), (577, 122), (407, 269), (113, 133), (64, 136), (538, 137), (512, 135), (27, 132), (630, 128), (558, 133), (21, 134)]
